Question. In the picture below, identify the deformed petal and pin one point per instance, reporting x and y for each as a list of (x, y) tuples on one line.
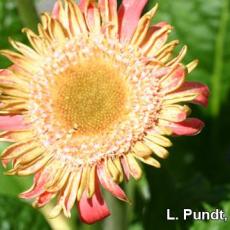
[(134, 167), (188, 127), (200, 91), (156, 37), (38, 187), (175, 113), (43, 199), (93, 209), (150, 161), (173, 80), (143, 27), (76, 19), (109, 184), (108, 9), (125, 167)]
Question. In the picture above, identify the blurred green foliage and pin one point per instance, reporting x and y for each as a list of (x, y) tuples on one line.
[(10, 26), (15, 214), (197, 173), (214, 225)]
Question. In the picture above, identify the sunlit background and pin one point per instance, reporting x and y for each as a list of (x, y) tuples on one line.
[(197, 173)]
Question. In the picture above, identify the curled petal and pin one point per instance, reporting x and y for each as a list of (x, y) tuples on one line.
[(60, 13), (76, 19), (173, 80), (159, 139), (175, 113), (73, 191), (125, 167), (11, 123), (142, 150), (36, 42), (143, 27), (128, 16), (188, 127), (91, 181), (200, 91), (179, 57), (134, 167), (14, 136), (83, 182), (156, 37), (150, 161), (18, 149), (38, 187), (109, 184), (153, 29), (43, 199), (93, 209), (157, 149), (113, 171), (19, 59), (31, 167), (108, 9)]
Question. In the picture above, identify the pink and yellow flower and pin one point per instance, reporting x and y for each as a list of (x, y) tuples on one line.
[(98, 90)]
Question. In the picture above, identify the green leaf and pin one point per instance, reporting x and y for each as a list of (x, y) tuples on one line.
[(15, 214), (10, 26)]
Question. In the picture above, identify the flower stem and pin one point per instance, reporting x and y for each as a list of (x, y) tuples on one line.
[(218, 62), (28, 13), (60, 222), (118, 218)]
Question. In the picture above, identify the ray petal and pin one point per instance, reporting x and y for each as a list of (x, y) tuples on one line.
[(128, 16), (188, 127), (109, 184), (108, 9), (197, 93), (11, 123), (93, 209), (38, 187)]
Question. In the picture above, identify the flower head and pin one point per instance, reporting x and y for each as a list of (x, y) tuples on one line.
[(98, 90)]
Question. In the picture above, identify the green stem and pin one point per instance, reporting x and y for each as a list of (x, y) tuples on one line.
[(28, 13), (218, 62), (60, 222), (118, 219)]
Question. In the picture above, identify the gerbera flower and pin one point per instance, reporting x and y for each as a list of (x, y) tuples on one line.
[(98, 90)]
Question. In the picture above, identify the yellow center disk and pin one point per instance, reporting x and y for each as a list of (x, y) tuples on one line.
[(90, 97)]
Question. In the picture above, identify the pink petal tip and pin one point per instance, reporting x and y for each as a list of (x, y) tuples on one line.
[(189, 127), (93, 209)]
